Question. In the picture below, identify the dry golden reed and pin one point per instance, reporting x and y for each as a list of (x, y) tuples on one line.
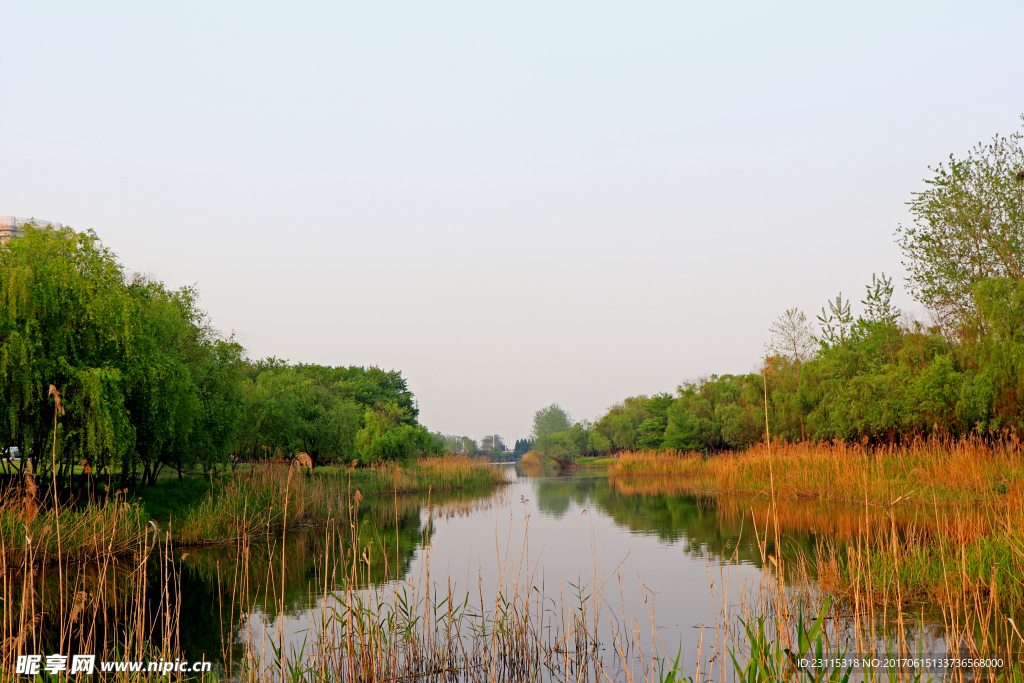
[(947, 469)]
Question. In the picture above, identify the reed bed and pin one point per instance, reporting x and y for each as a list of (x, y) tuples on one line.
[(95, 529), (256, 502), (117, 608), (369, 619), (251, 502), (446, 473), (415, 630), (377, 624), (268, 496), (947, 470), (938, 545)]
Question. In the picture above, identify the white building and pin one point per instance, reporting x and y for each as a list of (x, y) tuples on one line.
[(11, 226)]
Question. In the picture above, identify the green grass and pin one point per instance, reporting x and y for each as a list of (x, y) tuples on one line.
[(588, 463), (169, 497), (228, 505), (254, 501)]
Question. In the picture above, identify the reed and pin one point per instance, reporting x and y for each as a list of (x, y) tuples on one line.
[(253, 502), (418, 629), (934, 525), (446, 473), (95, 529), (947, 470), (372, 621)]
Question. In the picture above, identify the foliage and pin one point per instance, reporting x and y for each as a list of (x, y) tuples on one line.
[(455, 445), (549, 420), (387, 435), (524, 446), (492, 443), (319, 410), (566, 446), (871, 378), (620, 424), (968, 226), (146, 382)]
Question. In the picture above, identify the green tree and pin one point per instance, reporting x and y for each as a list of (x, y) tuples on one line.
[(387, 436), (566, 446), (146, 382), (619, 426), (968, 225), (651, 432), (549, 420)]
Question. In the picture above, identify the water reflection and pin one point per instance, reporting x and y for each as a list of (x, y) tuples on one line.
[(662, 543)]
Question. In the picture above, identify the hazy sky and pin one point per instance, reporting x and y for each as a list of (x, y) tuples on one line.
[(512, 203)]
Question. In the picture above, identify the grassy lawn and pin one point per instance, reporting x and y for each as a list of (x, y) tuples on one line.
[(170, 497), (595, 463)]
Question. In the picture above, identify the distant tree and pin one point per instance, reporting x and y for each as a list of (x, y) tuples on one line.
[(651, 432), (792, 336), (550, 420), (793, 339), (524, 446), (567, 445), (455, 445), (492, 443), (620, 424), (837, 323), (878, 308), (314, 408)]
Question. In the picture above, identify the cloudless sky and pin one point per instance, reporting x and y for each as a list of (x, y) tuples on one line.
[(512, 203)]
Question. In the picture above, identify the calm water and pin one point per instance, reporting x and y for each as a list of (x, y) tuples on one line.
[(671, 565), (654, 554), (679, 558)]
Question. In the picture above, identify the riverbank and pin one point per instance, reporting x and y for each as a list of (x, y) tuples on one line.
[(953, 512), (257, 499), (944, 471)]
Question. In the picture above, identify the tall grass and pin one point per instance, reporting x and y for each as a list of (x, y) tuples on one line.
[(939, 520), (948, 470), (96, 529), (251, 502), (422, 628), (254, 502)]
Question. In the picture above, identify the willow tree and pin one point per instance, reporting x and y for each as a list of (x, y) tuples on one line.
[(66, 319), (145, 384)]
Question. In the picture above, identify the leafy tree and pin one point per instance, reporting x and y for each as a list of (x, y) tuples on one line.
[(837, 323), (146, 382), (620, 425), (550, 420), (388, 436), (455, 445), (968, 225), (315, 408), (566, 446), (651, 432), (492, 443)]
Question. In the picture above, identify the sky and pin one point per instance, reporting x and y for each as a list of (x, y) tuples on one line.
[(513, 204)]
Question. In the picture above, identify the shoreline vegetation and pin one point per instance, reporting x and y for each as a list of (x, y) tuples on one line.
[(966, 470), (260, 499), (937, 522), (387, 626)]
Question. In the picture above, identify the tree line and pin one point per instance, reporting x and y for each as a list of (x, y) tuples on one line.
[(114, 372), (876, 375)]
